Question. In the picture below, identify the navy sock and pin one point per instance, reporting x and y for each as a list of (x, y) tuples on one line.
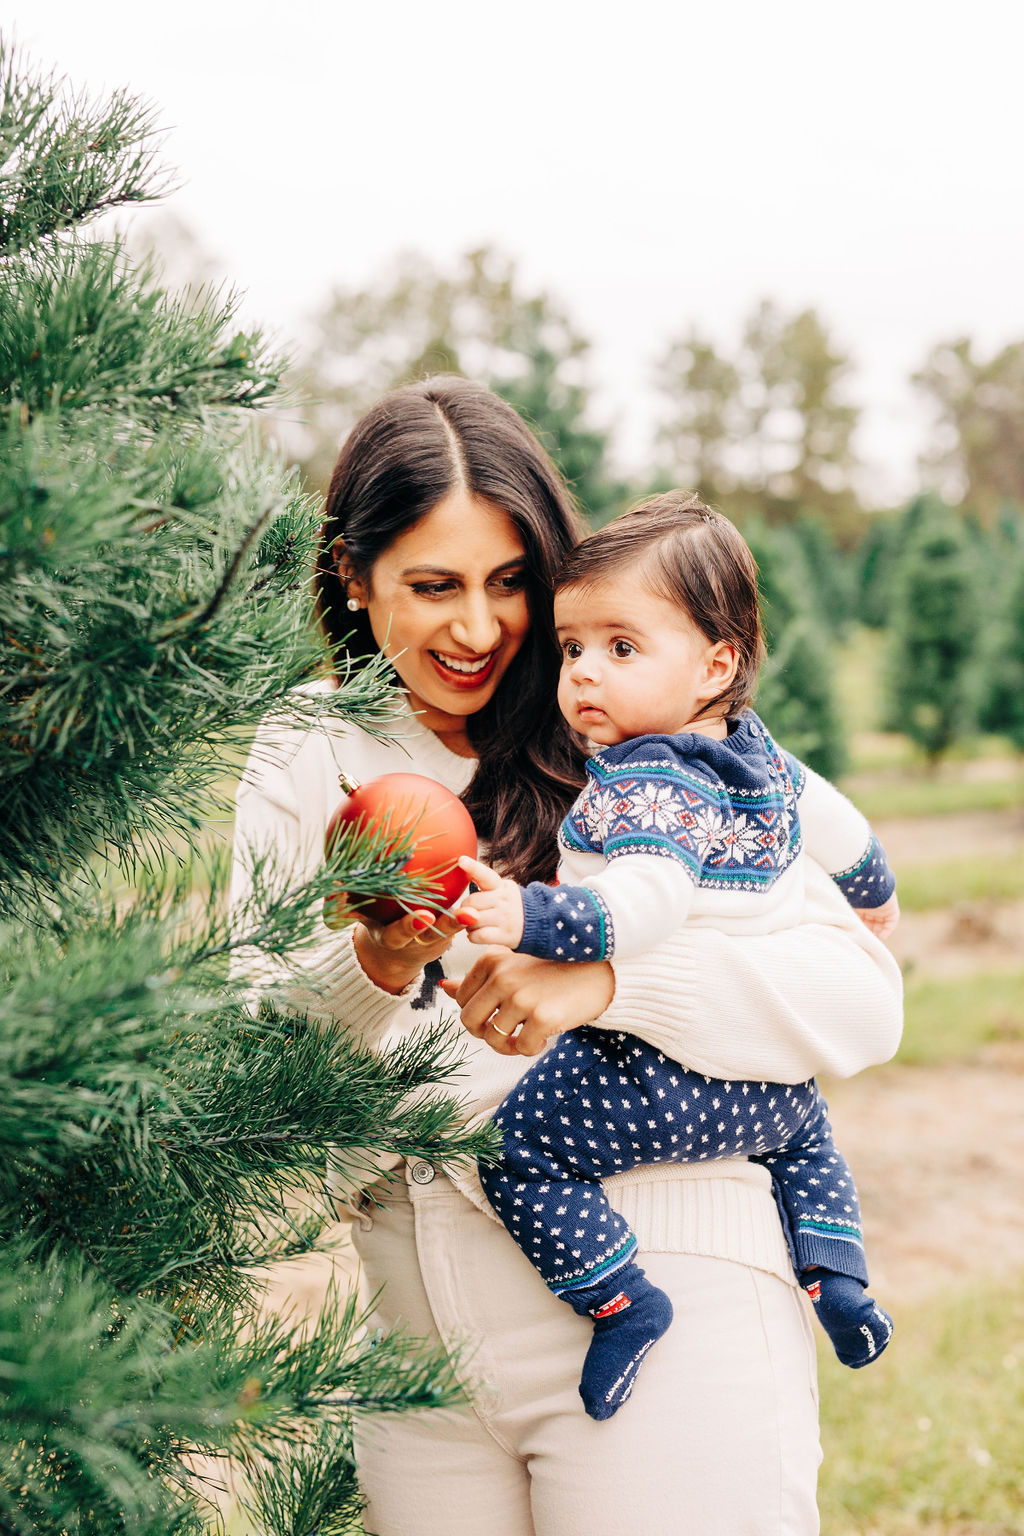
[(854, 1321), (630, 1314)]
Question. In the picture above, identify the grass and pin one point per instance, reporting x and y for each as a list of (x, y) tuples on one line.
[(859, 664), (924, 887), (883, 799), (888, 775), (928, 1439), (952, 1019)]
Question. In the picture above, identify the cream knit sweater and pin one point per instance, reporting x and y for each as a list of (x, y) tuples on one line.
[(824, 997)]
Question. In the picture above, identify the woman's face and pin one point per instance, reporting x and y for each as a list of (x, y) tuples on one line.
[(447, 605)]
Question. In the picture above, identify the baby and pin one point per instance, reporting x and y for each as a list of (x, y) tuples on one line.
[(690, 813)]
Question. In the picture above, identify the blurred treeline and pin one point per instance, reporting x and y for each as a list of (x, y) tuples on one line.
[(767, 432)]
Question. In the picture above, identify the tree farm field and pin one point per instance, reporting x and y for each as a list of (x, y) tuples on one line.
[(928, 1441)]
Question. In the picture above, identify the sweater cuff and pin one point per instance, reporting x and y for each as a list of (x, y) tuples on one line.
[(870, 882), (564, 922)]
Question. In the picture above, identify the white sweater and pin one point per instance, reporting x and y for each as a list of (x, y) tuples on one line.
[(824, 997)]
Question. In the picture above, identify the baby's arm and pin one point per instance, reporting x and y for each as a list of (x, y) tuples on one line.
[(631, 906), (839, 838)]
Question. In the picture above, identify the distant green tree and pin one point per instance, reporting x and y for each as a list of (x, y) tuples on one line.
[(1000, 668), (800, 411), (978, 449), (1001, 674), (796, 697), (831, 571), (936, 623), (875, 562), (705, 416), (421, 320), (771, 426)]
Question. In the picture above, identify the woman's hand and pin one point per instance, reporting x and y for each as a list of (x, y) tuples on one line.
[(394, 955), (517, 1003)]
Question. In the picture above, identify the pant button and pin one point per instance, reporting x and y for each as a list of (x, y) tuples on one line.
[(422, 1173)]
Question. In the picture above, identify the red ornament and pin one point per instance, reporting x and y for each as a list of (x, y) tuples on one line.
[(406, 805)]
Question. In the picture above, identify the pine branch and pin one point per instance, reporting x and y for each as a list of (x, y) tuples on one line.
[(85, 331), (311, 1492), (157, 1137), (65, 159)]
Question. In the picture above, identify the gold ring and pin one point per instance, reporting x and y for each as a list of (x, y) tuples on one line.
[(504, 1032)]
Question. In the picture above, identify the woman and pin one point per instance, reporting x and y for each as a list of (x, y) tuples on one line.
[(444, 524)]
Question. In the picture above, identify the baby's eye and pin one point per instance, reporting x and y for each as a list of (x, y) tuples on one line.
[(622, 649), (572, 650)]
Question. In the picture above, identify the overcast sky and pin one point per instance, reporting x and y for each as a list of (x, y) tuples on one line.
[(652, 165)]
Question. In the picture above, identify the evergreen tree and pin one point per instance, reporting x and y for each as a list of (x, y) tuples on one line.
[(1000, 667), (830, 571), (875, 561), (977, 451), (796, 696), (153, 571), (420, 320), (936, 621), (769, 427), (1002, 671), (705, 416)]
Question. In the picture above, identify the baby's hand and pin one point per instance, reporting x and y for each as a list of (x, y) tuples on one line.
[(494, 913), (881, 920)]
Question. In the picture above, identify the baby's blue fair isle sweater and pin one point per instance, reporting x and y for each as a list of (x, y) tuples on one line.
[(685, 827)]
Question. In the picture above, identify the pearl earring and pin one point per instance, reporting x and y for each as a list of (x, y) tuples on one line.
[(353, 605)]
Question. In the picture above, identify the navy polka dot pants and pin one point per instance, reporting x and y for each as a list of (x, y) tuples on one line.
[(599, 1103)]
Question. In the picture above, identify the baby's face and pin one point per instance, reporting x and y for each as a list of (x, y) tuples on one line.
[(633, 664)]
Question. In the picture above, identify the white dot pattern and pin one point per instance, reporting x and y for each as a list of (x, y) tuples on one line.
[(599, 1103)]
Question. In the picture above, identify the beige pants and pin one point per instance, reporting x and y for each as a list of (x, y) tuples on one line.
[(719, 1438)]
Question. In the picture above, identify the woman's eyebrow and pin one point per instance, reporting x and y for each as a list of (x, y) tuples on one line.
[(442, 570)]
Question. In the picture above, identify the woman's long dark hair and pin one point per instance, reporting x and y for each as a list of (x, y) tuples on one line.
[(411, 450)]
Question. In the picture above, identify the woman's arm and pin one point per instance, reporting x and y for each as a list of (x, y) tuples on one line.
[(352, 974), (823, 997)]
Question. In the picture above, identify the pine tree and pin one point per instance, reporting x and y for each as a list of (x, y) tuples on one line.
[(1002, 698), (796, 695), (936, 622), (153, 576), (876, 558), (420, 320)]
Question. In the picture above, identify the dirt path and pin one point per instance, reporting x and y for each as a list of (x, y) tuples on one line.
[(938, 1153), (954, 941), (934, 839)]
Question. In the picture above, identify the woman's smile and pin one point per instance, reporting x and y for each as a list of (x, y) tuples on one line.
[(464, 671)]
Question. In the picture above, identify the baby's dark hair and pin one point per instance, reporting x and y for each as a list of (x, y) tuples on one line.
[(693, 557)]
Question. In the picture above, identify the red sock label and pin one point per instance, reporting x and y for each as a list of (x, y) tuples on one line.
[(618, 1303), (814, 1290)]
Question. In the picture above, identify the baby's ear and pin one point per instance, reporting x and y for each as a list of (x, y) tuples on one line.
[(720, 664)]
